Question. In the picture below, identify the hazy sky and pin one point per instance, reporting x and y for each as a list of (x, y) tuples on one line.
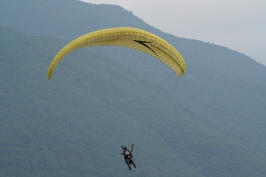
[(237, 24)]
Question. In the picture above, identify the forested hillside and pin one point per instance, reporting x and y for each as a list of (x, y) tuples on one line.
[(60, 127), (210, 122)]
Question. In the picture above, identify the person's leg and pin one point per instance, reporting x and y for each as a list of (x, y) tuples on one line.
[(132, 161), (128, 163)]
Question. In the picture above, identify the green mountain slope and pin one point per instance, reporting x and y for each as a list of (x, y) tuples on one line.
[(70, 15), (59, 127)]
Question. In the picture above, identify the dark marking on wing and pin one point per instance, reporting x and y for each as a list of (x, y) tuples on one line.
[(144, 43)]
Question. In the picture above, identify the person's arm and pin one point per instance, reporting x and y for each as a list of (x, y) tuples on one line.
[(132, 147), (122, 152)]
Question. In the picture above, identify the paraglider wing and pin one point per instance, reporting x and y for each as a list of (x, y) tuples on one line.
[(126, 37)]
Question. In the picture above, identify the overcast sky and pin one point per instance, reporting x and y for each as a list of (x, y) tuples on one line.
[(237, 24)]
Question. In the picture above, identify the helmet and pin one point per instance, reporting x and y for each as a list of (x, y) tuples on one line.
[(125, 148)]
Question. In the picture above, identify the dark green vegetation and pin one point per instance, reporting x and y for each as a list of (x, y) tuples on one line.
[(210, 122)]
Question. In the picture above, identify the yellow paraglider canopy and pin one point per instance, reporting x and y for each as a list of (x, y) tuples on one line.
[(126, 37)]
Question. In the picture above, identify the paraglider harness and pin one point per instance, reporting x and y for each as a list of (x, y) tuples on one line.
[(127, 154)]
